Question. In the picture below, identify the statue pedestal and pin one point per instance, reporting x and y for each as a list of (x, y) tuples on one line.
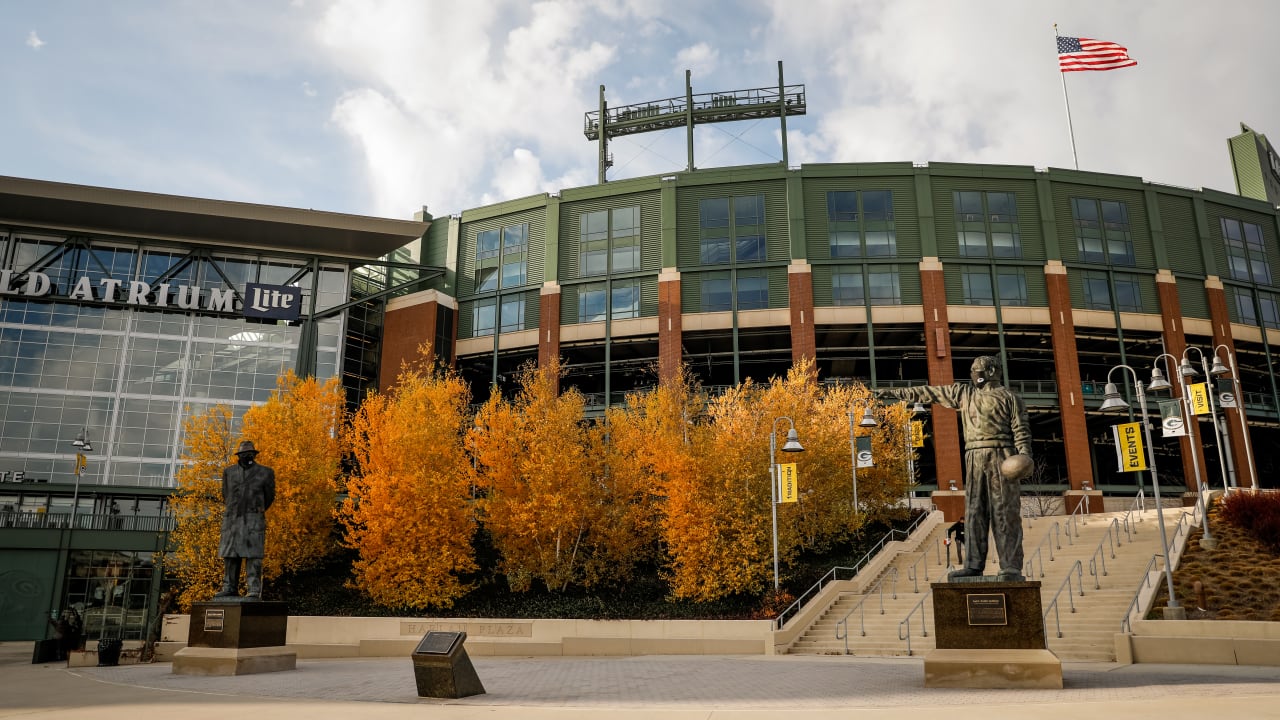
[(990, 635), (236, 638)]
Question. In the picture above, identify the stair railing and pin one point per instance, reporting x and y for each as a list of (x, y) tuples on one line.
[(1144, 584), (913, 574), (924, 628), (1066, 585), (1133, 515), (833, 574), (1078, 514), (1098, 560), (1053, 533), (844, 622)]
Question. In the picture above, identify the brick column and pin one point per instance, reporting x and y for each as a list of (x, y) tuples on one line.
[(1245, 473), (946, 427), (800, 292), (1066, 359), (410, 323), (549, 324), (669, 328), (1175, 343)]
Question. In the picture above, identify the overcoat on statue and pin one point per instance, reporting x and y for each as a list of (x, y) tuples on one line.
[(247, 492)]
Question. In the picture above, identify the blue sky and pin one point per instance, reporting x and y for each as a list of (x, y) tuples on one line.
[(382, 106)]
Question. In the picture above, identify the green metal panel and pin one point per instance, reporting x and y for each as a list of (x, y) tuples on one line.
[(779, 292), (1192, 298), (926, 213), (649, 297), (1029, 225), (551, 243), (1182, 244), (667, 203), (906, 220), (1247, 166), (952, 276), (569, 305), (688, 250), (435, 252), (532, 308), (822, 285), (28, 584), (1147, 289), (795, 216), (1037, 288), (1076, 284), (909, 284), (690, 292), (465, 319), (650, 229), (1139, 227)]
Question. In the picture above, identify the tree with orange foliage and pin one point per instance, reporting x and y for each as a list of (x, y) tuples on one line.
[(295, 431), (409, 511), (197, 505), (542, 488)]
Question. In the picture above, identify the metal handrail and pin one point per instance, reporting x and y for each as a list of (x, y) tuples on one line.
[(1111, 535), (1126, 625), (1140, 505), (1080, 512), (832, 575), (1053, 532), (924, 628), (1053, 604), (913, 576), (844, 622), (86, 521)]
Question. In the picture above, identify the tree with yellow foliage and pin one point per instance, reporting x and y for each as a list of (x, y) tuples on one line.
[(410, 512), (541, 487), (197, 505), (296, 433)]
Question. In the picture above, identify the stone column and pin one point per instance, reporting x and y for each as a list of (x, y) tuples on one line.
[(1075, 431), (669, 328), (946, 427), (800, 291)]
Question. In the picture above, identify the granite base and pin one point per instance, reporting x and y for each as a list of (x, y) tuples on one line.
[(993, 669), (233, 661)]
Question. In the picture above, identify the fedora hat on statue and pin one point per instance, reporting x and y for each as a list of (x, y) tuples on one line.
[(247, 447)]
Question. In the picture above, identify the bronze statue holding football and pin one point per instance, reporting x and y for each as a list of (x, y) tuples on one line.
[(997, 457)]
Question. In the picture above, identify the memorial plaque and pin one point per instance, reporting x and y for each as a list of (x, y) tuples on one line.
[(214, 618), (987, 609), (438, 643)]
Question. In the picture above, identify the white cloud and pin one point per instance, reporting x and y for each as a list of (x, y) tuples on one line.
[(33, 41), (308, 89), (702, 59)]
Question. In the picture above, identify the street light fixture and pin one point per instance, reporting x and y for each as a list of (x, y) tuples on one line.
[(82, 445), (1225, 462), (1220, 369), (1186, 370), (868, 421), (1113, 402), (792, 445)]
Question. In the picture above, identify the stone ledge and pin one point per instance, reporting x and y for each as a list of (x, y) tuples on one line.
[(1005, 669), (233, 661)]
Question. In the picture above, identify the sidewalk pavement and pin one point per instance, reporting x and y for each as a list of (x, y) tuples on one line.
[(623, 688)]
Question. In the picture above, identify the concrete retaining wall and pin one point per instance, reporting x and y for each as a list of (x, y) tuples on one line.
[(1200, 642), (321, 637)]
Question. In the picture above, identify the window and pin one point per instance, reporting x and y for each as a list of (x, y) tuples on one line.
[(609, 236), (720, 241), (1246, 253), (623, 301), (860, 223), (1097, 292), (482, 318), (717, 295), (502, 258), (878, 286), (987, 224), (1248, 312), (1011, 286), (977, 286), (512, 315), (1102, 231), (753, 291)]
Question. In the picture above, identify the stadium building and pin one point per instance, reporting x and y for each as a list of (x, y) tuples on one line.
[(122, 313)]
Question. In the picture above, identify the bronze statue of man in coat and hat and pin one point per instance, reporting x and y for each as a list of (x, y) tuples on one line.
[(248, 489)]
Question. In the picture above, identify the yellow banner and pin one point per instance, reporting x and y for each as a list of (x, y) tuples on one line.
[(788, 483), (1199, 398), (917, 433), (1129, 448)]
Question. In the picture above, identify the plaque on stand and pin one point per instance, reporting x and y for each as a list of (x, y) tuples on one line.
[(442, 669), (236, 638), (990, 635)]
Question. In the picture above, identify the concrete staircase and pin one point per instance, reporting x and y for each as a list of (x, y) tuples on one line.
[(1112, 554)]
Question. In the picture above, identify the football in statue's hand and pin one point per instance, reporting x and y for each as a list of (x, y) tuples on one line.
[(1017, 467)]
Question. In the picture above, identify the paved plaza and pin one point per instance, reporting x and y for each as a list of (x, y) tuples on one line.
[(622, 688)]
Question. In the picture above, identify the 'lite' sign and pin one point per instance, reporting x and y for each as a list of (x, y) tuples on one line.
[(274, 302)]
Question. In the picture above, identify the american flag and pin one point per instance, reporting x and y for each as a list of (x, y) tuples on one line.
[(1076, 54)]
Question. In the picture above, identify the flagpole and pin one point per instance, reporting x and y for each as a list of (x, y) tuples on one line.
[(1070, 130)]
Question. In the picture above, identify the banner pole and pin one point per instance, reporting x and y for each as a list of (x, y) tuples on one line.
[(1067, 101)]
